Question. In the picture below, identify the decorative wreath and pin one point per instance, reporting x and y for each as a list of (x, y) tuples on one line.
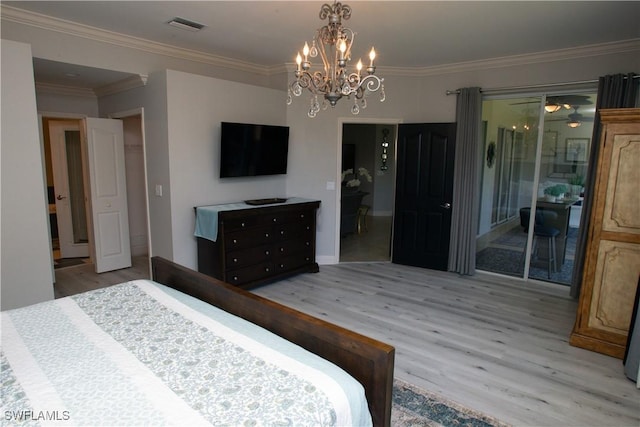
[(491, 154)]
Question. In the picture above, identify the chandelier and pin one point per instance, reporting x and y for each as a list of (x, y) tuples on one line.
[(333, 42)]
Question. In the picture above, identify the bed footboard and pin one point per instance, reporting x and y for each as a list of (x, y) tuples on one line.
[(367, 360)]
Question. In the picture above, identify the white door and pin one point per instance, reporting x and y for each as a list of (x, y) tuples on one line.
[(68, 179), (110, 220)]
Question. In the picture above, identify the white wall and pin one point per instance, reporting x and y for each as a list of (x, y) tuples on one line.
[(25, 253), (196, 106), (49, 102)]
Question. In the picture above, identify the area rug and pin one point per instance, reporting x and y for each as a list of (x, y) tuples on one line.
[(516, 238), (508, 262), (414, 407)]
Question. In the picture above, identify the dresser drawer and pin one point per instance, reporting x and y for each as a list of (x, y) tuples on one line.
[(243, 223), (294, 261), (290, 247), (250, 274), (277, 218), (248, 238), (248, 256), (293, 229)]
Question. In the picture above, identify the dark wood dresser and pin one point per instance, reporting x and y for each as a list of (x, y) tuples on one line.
[(257, 244)]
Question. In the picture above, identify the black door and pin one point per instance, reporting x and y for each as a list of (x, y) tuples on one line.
[(424, 191)]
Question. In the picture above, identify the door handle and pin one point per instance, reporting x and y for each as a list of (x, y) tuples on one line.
[(59, 197), (446, 205)]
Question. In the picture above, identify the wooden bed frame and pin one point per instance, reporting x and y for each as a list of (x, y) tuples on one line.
[(367, 360)]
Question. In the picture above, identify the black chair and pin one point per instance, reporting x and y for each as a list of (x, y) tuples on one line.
[(542, 229)]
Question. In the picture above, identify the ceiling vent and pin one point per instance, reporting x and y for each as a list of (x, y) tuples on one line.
[(185, 24)]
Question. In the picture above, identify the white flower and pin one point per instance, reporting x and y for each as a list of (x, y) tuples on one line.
[(350, 178), (365, 173), (345, 173)]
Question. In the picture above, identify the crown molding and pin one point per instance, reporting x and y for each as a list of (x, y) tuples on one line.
[(624, 46), (54, 89), (49, 23), (132, 82), (109, 89), (45, 22)]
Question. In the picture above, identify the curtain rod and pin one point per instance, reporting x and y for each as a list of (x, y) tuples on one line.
[(540, 86)]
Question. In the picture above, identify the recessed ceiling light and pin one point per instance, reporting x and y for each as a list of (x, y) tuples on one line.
[(185, 24)]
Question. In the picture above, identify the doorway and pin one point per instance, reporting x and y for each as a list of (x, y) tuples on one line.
[(366, 191), (134, 170), (535, 158)]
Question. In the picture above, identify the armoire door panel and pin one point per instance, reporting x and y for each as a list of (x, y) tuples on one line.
[(615, 280), (623, 196)]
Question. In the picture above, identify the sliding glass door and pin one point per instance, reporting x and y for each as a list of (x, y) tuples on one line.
[(534, 160)]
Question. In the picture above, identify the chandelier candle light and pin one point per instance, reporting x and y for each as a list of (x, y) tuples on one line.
[(334, 42)]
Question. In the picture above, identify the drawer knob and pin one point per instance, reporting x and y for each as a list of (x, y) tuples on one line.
[(266, 252), (308, 244), (275, 219), (235, 241), (301, 215), (281, 265), (235, 260), (281, 249), (242, 225), (266, 269), (266, 234), (235, 278)]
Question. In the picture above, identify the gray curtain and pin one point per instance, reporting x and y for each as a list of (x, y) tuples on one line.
[(464, 215), (614, 91)]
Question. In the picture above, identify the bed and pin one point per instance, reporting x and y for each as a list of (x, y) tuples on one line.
[(187, 349)]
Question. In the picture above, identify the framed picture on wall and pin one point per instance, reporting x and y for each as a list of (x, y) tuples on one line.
[(576, 150)]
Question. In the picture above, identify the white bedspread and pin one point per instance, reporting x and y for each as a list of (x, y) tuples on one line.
[(140, 353)]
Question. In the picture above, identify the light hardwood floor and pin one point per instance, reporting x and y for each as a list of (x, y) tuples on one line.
[(492, 344), (81, 278), (489, 343)]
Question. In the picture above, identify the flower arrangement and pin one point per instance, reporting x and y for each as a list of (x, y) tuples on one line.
[(350, 178)]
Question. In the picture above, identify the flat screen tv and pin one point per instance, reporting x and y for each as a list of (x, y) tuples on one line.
[(252, 149)]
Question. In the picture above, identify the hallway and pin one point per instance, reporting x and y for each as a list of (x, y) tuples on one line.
[(372, 244)]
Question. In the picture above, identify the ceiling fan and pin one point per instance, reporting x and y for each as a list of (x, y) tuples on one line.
[(557, 103), (574, 119)]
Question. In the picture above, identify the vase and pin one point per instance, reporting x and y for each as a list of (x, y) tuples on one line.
[(576, 190), (346, 189)]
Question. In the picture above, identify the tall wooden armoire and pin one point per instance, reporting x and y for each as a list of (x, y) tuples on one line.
[(612, 259)]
